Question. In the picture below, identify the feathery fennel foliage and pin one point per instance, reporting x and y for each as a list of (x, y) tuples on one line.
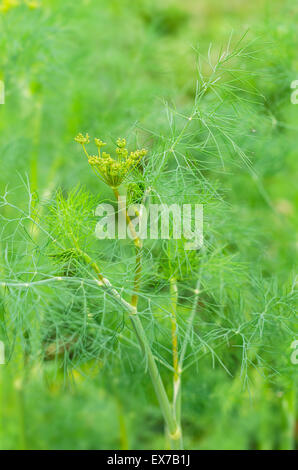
[(155, 307)]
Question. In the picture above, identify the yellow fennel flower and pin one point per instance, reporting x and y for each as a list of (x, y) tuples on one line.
[(113, 171)]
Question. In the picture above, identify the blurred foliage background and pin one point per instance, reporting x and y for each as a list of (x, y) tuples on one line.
[(107, 67)]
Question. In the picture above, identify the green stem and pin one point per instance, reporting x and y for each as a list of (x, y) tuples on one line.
[(177, 370), (190, 325), (173, 428)]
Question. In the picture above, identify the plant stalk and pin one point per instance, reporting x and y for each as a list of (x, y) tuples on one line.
[(173, 427), (177, 370)]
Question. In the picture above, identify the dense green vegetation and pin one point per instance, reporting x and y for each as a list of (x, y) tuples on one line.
[(75, 376)]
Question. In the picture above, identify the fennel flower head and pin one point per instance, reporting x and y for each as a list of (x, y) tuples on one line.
[(113, 171)]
